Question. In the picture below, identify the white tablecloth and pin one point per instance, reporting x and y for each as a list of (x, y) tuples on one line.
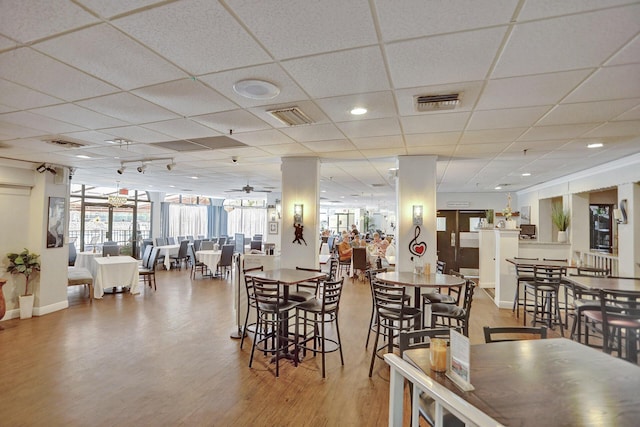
[(113, 272), (210, 258), (85, 260), (167, 251)]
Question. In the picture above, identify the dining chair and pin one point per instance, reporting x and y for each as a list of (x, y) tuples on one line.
[(207, 246), (306, 290), (371, 275), (73, 254), (393, 315), (544, 291), (324, 310), (273, 314), (161, 241), (442, 315), (524, 273), (148, 271), (251, 304), (196, 265), (333, 267), (110, 250), (619, 312), (410, 340), (182, 256), (451, 297), (440, 267), (513, 333), (171, 240), (360, 264), (256, 245), (226, 261), (145, 256)]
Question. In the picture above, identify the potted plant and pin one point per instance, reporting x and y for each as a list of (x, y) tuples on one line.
[(489, 216), (561, 220), (25, 263)]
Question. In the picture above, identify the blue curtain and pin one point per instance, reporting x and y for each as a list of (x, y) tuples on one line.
[(217, 219), (164, 219)]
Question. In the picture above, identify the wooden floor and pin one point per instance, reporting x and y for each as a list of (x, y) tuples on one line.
[(165, 358)]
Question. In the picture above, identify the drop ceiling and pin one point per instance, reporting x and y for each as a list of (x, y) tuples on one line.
[(538, 81)]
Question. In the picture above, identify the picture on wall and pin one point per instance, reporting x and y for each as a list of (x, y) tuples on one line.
[(525, 215), (273, 227), (55, 225)]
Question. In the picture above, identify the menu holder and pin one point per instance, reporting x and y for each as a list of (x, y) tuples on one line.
[(459, 369)]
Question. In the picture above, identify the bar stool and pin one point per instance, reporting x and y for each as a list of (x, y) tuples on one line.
[(524, 273), (544, 289)]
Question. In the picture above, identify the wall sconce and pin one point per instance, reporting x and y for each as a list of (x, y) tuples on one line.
[(417, 214), (298, 211)]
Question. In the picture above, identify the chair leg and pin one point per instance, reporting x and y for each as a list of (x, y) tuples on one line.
[(375, 348)]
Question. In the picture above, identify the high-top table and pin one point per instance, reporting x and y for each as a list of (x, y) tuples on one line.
[(609, 283), (113, 272), (548, 383), (418, 281)]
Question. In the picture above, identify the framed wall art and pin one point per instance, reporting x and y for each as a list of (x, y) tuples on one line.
[(273, 227), (55, 224)]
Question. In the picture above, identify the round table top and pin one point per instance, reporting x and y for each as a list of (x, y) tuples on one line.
[(406, 278)]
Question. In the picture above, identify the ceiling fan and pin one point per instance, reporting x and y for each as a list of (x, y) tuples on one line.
[(247, 189)]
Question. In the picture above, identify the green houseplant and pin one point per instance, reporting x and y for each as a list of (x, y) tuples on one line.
[(561, 219), (25, 263)]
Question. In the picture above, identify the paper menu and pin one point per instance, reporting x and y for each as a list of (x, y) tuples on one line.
[(460, 362)]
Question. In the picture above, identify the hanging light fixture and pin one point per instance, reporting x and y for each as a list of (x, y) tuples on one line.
[(116, 200)]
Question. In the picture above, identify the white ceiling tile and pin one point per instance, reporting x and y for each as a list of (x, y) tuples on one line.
[(74, 114), (287, 150), (565, 43), (138, 134), (628, 54), (434, 123), (24, 98), (547, 8), (588, 112), (273, 73), (128, 107), (415, 18), (45, 124), (106, 53), (443, 59), (443, 138), (266, 137), (469, 92), (383, 152), (378, 105), (509, 118), (491, 135), (37, 71), (340, 73), (111, 8), (186, 97), (629, 128), (182, 129), (204, 37), (310, 133), (436, 150), (370, 128), (633, 114), (35, 19), (10, 130), (6, 43), (237, 120), (291, 29), (92, 137), (330, 145), (609, 83), (541, 89), (555, 132), (481, 150), (378, 142)]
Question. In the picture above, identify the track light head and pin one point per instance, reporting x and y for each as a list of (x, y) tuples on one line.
[(170, 166), (142, 168), (121, 170), (42, 168)]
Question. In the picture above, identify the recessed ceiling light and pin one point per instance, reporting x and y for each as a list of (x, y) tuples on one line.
[(498, 188), (256, 89), (194, 177), (83, 156), (526, 174), (595, 145), (172, 186), (323, 191), (358, 111)]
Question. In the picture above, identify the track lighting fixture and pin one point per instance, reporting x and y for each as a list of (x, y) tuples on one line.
[(42, 168), (170, 165), (142, 168), (144, 164), (122, 168)]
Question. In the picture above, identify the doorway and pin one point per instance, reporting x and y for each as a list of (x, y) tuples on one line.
[(457, 240), (103, 222)]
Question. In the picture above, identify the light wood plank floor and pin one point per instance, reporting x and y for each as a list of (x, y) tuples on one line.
[(165, 358)]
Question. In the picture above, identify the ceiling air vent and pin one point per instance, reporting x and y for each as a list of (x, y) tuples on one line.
[(437, 102), (291, 116), (65, 144)]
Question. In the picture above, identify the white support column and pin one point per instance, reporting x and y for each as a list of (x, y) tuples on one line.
[(506, 247), (300, 185), (629, 233), (416, 185)]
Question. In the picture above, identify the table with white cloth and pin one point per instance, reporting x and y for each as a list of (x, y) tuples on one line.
[(113, 272), (85, 260), (167, 251), (210, 258)]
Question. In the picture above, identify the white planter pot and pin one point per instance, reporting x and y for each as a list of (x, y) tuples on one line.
[(26, 306), (562, 236)]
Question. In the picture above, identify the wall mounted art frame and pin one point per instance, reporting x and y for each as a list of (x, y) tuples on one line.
[(273, 227), (55, 223)]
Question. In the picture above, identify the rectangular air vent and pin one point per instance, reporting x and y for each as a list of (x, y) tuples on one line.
[(291, 116), (65, 143), (437, 102)]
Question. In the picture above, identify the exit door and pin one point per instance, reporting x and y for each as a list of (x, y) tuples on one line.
[(457, 239)]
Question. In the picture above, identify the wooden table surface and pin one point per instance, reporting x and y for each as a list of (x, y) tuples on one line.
[(287, 276), (402, 278), (540, 263), (553, 382), (610, 283)]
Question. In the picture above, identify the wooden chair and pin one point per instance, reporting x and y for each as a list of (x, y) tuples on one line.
[(524, 273), (306, 290), (148, 272), (513, 333), (544, 290), (360, 264), (251, 303), (226, 261), (442, 315), (79, 276)]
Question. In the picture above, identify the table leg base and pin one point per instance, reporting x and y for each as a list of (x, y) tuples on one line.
[(117, 290)]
